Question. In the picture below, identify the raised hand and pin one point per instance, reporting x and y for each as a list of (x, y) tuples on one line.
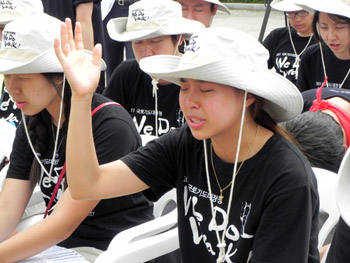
[(82, 74)]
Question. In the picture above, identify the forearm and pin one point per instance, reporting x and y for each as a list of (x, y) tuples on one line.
[(82, 163), (84, 16), (30, 242)]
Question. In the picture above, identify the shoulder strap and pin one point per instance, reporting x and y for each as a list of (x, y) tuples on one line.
[(63, 171)]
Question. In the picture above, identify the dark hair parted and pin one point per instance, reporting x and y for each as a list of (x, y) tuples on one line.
[(336, 18), (319, 137), (39, 126)]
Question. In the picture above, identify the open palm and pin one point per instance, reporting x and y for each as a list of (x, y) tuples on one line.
[(82, 73)]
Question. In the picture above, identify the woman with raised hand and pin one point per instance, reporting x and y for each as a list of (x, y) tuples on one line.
[(35, 80), (245, 193)]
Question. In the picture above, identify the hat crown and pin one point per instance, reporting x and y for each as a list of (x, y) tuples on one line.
[(212, 44), (32, 33), (154, 10), (11, 9)]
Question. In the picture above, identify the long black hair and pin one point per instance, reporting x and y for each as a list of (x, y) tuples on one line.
[(39, 126)]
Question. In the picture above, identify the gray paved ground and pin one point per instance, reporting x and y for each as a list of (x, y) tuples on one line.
[(249, 21)]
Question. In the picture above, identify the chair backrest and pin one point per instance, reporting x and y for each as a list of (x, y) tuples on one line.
[(327, 183), (343, 189), (7, 135), (146, 241)]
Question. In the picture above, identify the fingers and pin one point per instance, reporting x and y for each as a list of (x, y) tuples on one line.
[(97, 55), (79, 36)]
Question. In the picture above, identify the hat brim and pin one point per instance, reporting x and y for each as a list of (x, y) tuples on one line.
[(285, 6), (330, 7), (45, 62), (222, 7), (343, 189), (283, 101), (177, 26)]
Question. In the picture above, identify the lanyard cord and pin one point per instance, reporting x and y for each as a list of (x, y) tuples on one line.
[(57, 134), (297, 59), (324, 68), (155, 90), (221, 242)]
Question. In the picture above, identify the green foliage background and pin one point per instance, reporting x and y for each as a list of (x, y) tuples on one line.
[(244, 1)]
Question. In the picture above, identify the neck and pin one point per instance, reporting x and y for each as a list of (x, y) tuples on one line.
[(227, 151)]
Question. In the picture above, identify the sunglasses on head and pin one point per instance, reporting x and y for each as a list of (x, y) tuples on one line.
[(301, 13)]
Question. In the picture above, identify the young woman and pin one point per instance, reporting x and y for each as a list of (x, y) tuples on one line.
[(37, 85), (331, 57), (287, 44), (245, 193), (153, 28)]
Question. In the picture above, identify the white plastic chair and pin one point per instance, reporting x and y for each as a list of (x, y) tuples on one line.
[(343, 189), (327, 183), (7, 135), (148, 240)]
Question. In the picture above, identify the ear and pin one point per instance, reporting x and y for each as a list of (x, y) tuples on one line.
[(215, 9), (250, 99)]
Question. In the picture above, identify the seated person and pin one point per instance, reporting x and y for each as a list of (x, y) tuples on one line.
[(154, 27), (287, 44), (38, 87)]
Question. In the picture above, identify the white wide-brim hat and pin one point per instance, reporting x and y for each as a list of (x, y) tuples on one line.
[(221, 6), (233, 58), (28, 45), (343, 189), (335, 7), (285, 5), (13, 9), (150, 19)]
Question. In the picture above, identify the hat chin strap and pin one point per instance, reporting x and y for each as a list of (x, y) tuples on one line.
[(155, 89), (221, 241)]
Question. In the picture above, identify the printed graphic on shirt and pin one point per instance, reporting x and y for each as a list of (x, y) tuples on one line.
[(202, 227), (48, 183), (286, 65), (8, 109), (144, 120)]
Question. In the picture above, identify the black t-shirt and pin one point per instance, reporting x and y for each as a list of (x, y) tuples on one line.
[(282, 56), (8, 109), (310, 95), (66, 8), (274, 211), (114, 136), (311, 74), (133, 89), (339, 251)]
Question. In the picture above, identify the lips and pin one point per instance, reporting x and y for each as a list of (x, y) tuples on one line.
[(20, 104), (195, 122)]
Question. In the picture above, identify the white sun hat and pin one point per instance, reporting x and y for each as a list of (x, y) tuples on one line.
[(220, 5), (150, 19), (233, 58), (12, 9), (285, 5), (343, 189), (28, 45), (336, 7)]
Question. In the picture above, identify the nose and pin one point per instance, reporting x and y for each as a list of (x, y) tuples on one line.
[(11, 85), (189, 99), (147, 51), (331, 34)]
